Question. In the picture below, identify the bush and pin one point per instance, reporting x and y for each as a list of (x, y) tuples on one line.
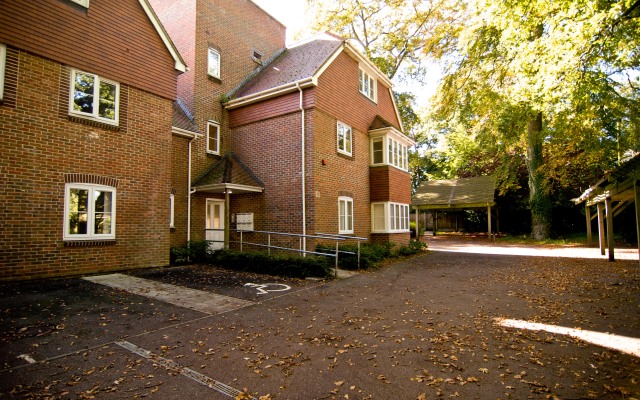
[(192, 252), (279, 265), (371, 254), (414, 247), (412, 227)]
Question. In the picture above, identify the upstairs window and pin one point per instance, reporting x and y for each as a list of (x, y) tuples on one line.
[(83, 3), (93, 97), (367, 85), (3, 62), (396, 153), (89, 212), (213, 138), (213, 64), (345, 215), (345, 139)]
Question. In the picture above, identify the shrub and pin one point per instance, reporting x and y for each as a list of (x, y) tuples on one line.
[(414, 247), (412, 227), (371, 254), (192, 252), (279, 264)]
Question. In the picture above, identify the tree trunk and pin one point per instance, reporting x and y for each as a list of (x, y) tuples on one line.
[(539, 199)]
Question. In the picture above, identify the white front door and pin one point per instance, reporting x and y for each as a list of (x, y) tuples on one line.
[(215, 224)]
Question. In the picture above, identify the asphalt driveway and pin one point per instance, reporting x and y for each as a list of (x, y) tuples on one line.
[(432, 326)]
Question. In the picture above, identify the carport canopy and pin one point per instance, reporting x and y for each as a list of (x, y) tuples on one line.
[(615, 191), (461, 194)]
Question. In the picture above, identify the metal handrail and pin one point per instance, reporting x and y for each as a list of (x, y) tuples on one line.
[(345, 237), (337, 238)]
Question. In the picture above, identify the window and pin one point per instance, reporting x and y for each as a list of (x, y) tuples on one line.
[(367, 85), (89, 212), (3, 62), (377, 151), (213, 64), (345, 214), (83, 3), (172, 208), (389, 217), (213, 137), (345, 137), (93, 97)]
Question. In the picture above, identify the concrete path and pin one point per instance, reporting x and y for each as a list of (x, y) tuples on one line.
[(206, 302)]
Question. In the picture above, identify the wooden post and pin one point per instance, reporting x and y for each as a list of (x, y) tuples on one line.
[(489, 221), (609, 210), (435, 222), (636, 192), (601, 227), (587, 210), (417, 224)]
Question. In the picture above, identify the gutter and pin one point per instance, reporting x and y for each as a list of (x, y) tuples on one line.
[(270, 93)]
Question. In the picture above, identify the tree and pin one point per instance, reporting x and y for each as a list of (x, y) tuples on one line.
[(534, 74)]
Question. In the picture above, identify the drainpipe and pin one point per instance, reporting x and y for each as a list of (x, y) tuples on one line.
[(304, 201), (189, 193)]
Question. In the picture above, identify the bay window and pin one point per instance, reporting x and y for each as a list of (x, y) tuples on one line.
[(389, 217)]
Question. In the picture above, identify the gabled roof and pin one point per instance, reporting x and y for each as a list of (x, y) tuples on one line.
[(182, 119), (455, 193), (294, 64), (229, 174), (173, 50), (298, 67)]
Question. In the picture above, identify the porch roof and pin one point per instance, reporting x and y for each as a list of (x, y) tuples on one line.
[(616, 184), (461, 193), (229, 174)]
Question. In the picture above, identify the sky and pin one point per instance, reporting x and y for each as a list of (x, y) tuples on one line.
[(292, 13)]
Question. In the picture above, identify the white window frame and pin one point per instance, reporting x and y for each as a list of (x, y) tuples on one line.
[(90, 235), (96, 98), (396, 217), (83, 3), (213, 69), (3, 68), (345, 130), (172, 210), (215, 124), (368, 85), (344, 220)]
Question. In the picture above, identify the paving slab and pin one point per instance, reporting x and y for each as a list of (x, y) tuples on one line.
[(206, 302)]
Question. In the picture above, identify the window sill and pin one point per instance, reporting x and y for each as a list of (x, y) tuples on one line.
[(93, 122), (89, 243), (214, 79)]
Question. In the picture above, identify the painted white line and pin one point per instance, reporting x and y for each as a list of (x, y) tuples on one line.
[(185, 371), (206, 302), (264, 288), (27, 358), (624, 344)]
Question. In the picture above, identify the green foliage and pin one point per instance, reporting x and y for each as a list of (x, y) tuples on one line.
[(192, 252), (371, 254), (278, 265)]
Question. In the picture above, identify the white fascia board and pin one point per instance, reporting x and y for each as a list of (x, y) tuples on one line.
[(185, 133), (270, 93), (361, 58), (395, 108), (180, 65), (399, 136)]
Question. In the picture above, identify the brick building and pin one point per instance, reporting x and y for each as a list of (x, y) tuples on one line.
[(244, 110), (86, 92), (113, 150)]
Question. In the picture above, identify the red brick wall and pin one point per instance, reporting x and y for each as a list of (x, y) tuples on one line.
[(272, 149), (114, 39), (338, 95), (40, 146), (179, 186), (179, 20), (340, 175), (401, 239), (390, 184)]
